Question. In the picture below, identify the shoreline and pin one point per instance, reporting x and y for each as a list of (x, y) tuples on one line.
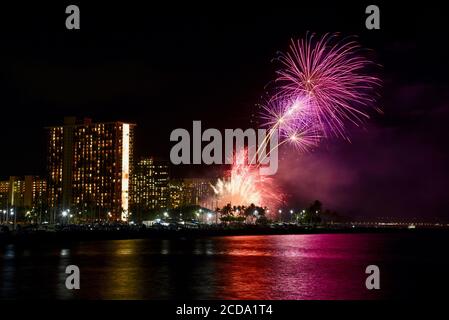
[(100, 235)]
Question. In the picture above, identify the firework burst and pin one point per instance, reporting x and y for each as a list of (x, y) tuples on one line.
[(331, 77), (293, 120)]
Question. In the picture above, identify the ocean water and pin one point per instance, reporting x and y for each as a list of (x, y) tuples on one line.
[(412, 265)]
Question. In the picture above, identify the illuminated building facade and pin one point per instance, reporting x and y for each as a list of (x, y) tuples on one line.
[(150, 184), (193, 191), (4, 194), (23, 195), (13, 192), (176, 189), (197, 190), (89, 168)]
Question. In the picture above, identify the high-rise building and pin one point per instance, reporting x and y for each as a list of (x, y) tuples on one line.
[(150, 184), (89, 169)]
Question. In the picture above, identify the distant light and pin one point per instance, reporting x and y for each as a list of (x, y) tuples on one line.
[(280, 211), (209, 215), (291, 211)]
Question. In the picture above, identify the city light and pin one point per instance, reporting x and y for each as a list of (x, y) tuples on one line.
[(125, 171)]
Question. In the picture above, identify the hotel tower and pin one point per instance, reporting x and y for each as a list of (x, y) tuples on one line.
[(89, 168)]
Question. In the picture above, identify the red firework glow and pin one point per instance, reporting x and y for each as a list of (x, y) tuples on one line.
[(245, 186)]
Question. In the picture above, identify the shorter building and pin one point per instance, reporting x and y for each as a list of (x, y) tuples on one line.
[(150, 184), (198, 191), (4, 194), (176, 189), (25, 196), (191, 191)]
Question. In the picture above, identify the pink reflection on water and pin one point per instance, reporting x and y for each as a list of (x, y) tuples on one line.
[(328, 266)]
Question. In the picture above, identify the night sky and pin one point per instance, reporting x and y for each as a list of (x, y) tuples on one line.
[(164, 67)]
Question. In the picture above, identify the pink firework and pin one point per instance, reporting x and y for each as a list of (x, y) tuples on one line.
[(293, 119), (330, 76)]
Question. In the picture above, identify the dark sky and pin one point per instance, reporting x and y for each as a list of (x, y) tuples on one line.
[(164, 67)]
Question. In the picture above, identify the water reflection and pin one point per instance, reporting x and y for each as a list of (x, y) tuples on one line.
[(253, 267)]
